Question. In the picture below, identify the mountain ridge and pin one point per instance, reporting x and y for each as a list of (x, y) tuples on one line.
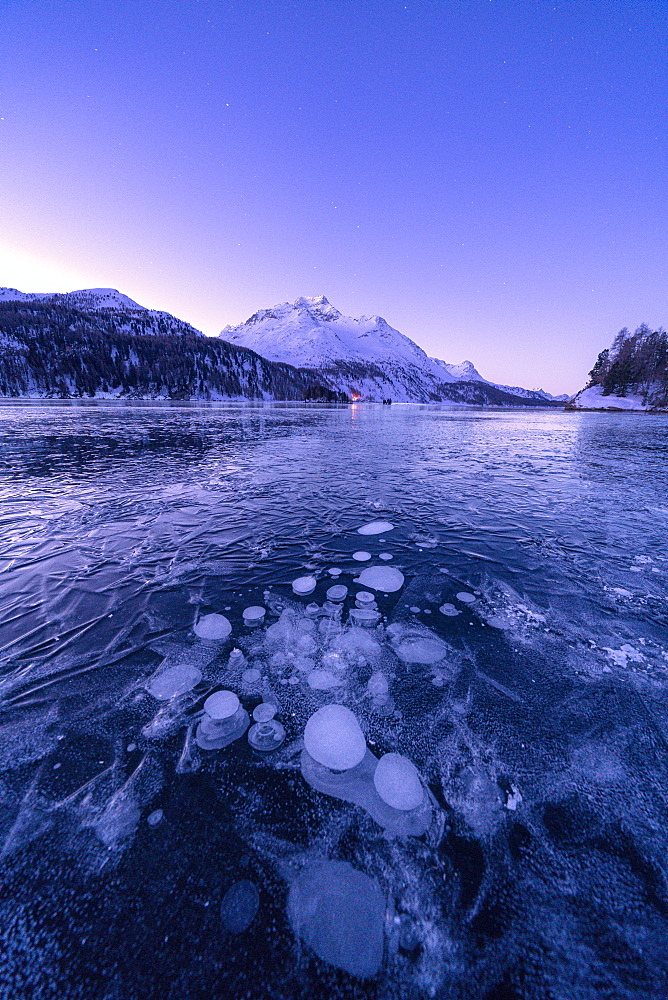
[(362, 355)]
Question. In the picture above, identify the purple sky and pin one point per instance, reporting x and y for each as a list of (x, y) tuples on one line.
[(488, 175)]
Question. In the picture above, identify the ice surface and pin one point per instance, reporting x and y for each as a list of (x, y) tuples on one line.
[(361, 556), (398, 782), (375, 528), (339, 912), (304, 585), (333, 737), (213, 628), (174, 681), (384, 578), (239, 906)]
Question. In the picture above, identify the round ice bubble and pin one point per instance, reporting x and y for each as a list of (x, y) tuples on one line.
[(333, 738), (334, 571), (213, 628), (174, 681), (221, 705), (239, 907), (323, 680), (398, 782), (449, 610), (377, 684), (364, 598), (304, 585), (253, 615), (385, 556), (384, 578), (337, 593), (421, 650), (375, 528), (237, 659), (264, 712), (361, 556), (465, 598), (266, 736), (251, 676)]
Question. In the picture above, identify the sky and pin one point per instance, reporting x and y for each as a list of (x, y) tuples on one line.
[(487, 175)]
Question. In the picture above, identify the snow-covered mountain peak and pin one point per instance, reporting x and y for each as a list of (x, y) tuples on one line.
[(465, 371), (312, 333)]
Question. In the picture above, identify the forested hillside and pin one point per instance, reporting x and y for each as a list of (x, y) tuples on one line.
[(636, 364), (50, 349)]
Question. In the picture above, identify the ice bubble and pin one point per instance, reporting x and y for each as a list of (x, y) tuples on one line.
[(334, 571), (340, 913), (266, 736), (375, 528), (333, 738), (356, 785), (264, 712), (421, 650), (213, 628), (385, 556), (155, 817), (304, 585), (303, 664), (465, 598), (383, 578), (449, 610), (236, 659), (355, 641), (251, 676), (221, 705), (415, 610), (398, 782), (364, 599), (323, 680), (214, 734), (173, 681), (239, 906), (253, 615), (337, 593), (364, 616), (361, 556), (378, 684)]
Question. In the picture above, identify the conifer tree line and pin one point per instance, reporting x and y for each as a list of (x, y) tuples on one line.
[(50, 349), (637, 363)]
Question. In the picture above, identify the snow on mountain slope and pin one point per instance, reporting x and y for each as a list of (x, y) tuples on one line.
[(83, 298), (465, 371), (310, 332), (110, 303), (365, 356)]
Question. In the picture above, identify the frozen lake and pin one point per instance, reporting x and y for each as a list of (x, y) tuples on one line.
[(135, 864)]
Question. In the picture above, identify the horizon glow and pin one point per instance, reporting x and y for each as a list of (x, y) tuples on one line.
[(489, 177)]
